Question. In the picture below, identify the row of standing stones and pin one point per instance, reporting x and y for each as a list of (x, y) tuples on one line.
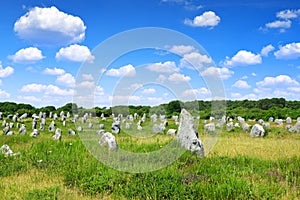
[(187, 134)]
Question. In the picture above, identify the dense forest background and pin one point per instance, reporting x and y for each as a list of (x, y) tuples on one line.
[(249, 109)]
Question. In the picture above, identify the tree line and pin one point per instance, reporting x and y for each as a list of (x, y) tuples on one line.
[(249, 109)]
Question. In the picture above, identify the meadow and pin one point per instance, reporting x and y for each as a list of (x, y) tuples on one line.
[(238, 167)]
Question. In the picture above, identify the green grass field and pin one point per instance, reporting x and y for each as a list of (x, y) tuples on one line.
[(238, 167)]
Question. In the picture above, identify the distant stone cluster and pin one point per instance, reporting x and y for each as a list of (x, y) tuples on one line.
[(186, 133)]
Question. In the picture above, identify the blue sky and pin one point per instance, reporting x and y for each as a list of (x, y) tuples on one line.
[(253, 48)]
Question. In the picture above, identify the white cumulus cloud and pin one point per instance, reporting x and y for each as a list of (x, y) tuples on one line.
[(87, 77), (5, 72), (29, 99), (127, 70), (49, 26), (27, 55), (176, 77), (46, 89), (243, 58), (223, 73), (66, 79), (55, 71), (266, 50), (166, 67), (278, 81), (34, 87), (149, 91), (75, 53), (194, 60), (288, 51), (182, 49), (207, 19), (279, 24), (4, 94), (241, 84), (288, 14)]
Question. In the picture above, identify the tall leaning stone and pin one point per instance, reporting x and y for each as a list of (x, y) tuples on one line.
[(109, 140), (187, 134)]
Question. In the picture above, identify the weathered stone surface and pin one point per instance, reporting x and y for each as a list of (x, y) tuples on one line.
[(57, 135), (158, 128), (10, 133), (101, 126), (210, 128), (6, 130), (51, 127), (229, 126), (288, 120), (109, 140), (139, 127), (261, 122), (23, 130), (115, 128), (34, 133), (5, 149), (257, 130), (100, 132), (267, 126), (171, 131), (187, 134), (279, 121), (127, 126), (271, 119), (71, 132), (295, 128)]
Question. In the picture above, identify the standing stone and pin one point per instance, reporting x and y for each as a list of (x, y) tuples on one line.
[(15, 118), (245, 127), (34, 122), (187, 134), (51, 126), (261, 122), (22, 130), (279, 121), (101, 126), (57, 135), (139, 127), (295, 128), (257, 130), (229, 126), (42, 124), (10, 133), (210, 128), (100, 132), (127, 125), (288, 120), (271, 119), (35, 133), (11, 125), (6, 130), (109, 140), (3, 123), (71, 132), (171, 131), (115, 128), (5, 149)]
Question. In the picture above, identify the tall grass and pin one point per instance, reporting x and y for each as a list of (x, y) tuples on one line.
[(239, 167)]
